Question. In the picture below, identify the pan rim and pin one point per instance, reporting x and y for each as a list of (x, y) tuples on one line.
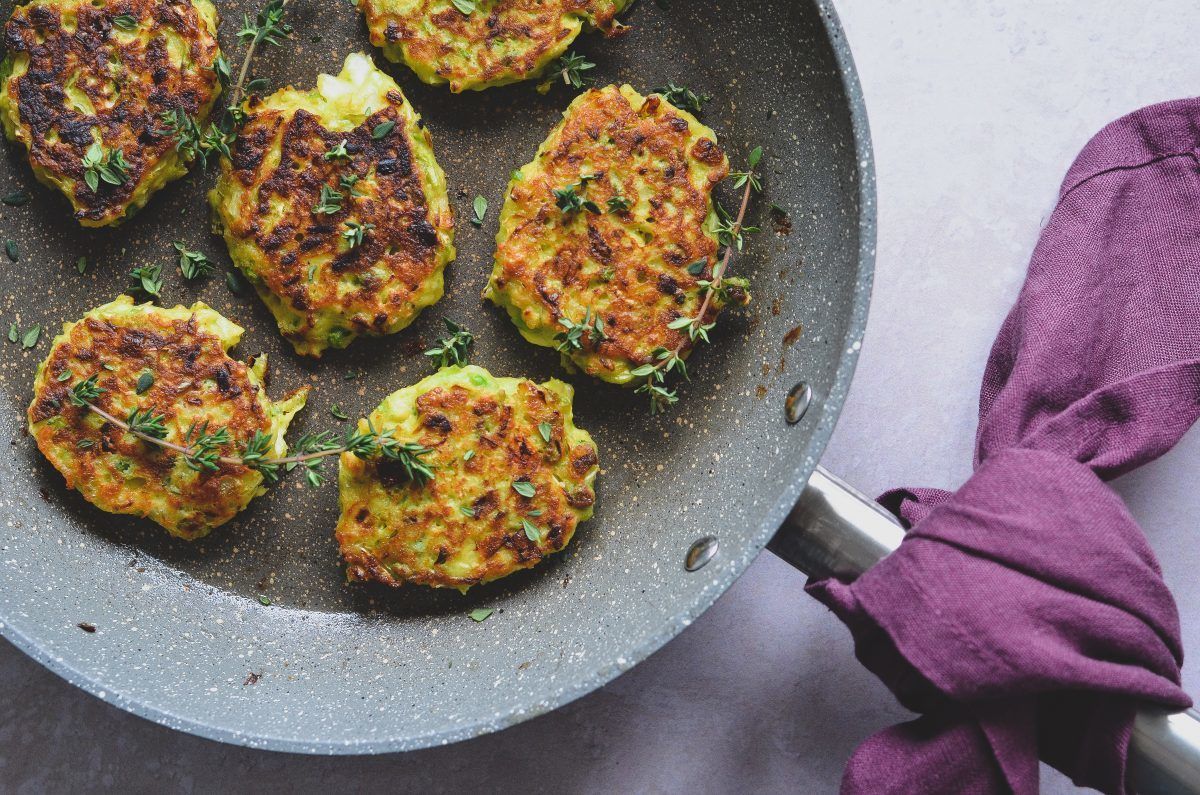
[(830, 410)]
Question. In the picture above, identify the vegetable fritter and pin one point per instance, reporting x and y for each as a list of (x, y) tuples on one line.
[(607, 237), (173, 364), (84, 85), (335, 209), (479, 44), (512, 478)]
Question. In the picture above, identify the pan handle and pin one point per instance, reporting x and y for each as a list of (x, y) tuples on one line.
[(834, 530)]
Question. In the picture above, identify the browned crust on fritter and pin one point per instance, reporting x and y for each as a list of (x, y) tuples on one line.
[(508, 447), (150, 85), (403, 243), (182, 358), (537, 24), (650, 285)]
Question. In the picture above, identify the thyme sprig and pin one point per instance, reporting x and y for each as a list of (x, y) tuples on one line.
[(572, 338), (104, 165), (452, 349), (202, 444), (570, 68), (731, 231), (216, 138)]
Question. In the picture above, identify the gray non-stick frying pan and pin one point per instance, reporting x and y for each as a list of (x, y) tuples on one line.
[(252, 636)]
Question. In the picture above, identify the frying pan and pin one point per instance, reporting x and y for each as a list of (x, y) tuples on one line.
[(252, 636)]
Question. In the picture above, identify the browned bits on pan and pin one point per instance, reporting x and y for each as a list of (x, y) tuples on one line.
[(66, 93)]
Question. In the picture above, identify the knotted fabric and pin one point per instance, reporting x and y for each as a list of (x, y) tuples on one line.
[(1025, 616)]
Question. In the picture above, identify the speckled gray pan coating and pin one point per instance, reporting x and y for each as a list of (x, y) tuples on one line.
[(180, 628)]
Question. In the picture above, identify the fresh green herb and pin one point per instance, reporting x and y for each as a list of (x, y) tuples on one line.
[(452, 349), (83, 392), (570, 199), (571, 68), (480, 206), (218, 137), (16, 198), (84, 444), (347, 182), (126, 22), (383, 129), (531, 531), (192, 142), (65, 375), (618, 204), (355, 232), (731, 232), (264, 600), (81, 265), (14, 333), (10, 248), (144, 382), (337, 412), (524, 488), (148, 279), (743, 178), (100, 164), (480, 614), (467, 7), (465, 511), (573, 337), (717, 290), (203, 445), (30, 338), (683, 97), (467, 456), (235, 282), (546, 430), (338, 152), (144, 422), (267, 26), (193, 264), (329, 203)]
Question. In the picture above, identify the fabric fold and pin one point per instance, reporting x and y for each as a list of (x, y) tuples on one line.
[(1025, 615)]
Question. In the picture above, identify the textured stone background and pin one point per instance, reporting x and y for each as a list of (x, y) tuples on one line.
[(978, 107)]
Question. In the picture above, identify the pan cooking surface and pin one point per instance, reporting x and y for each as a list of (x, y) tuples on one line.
[(181, 627)]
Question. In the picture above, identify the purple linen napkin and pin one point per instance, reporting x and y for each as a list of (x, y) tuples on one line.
[(1024, 615)]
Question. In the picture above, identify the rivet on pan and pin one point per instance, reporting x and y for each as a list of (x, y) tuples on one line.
[(700, 553), (798, 401)]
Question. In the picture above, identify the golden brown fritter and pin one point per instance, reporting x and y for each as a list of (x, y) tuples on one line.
[(86, 72), (512, 479), (308, 170), (613, 220), (170, 362), (499, 42)]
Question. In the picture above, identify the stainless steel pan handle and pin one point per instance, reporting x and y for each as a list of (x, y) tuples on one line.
[(835, 530)]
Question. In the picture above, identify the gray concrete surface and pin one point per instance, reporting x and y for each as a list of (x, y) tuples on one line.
[(978, 107)]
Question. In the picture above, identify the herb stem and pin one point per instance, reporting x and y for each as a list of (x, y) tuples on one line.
[(717, 278), (190, 451), (243, 73)]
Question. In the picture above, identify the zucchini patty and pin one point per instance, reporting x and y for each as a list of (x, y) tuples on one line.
[(512, 478), (87, 80), (335, 209), (612, 228), (498, 42), (173, 363)]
